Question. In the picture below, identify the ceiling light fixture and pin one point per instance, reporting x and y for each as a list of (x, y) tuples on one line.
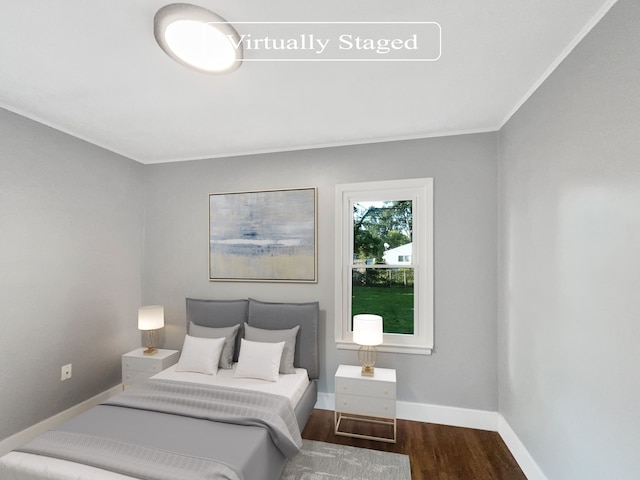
[(197, 38)]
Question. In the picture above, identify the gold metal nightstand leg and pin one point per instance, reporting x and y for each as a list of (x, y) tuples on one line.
[(338, 416)]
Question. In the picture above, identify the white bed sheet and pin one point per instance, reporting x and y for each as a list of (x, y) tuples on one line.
[(25, 466), (292, 385)]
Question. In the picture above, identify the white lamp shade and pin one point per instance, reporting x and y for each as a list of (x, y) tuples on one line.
[(367, 329), (151, 317)]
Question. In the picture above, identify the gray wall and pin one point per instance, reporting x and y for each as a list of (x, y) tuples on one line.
[(71, 223), (462, 371), (569, 261)]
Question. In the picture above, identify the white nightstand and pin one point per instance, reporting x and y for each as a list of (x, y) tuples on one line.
[(137, 366), (367, 399)]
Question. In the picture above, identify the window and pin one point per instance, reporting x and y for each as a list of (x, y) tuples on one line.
[(384, 261)]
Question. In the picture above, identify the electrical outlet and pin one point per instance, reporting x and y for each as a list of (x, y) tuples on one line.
[(65, 372)]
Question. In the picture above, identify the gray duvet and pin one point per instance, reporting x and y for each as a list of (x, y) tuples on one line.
[(165, 430)]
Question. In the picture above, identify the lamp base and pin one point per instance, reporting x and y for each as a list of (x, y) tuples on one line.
[(367, 371), (150, 340), (367, 355)]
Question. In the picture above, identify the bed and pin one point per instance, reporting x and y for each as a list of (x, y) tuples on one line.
[(186, 423)]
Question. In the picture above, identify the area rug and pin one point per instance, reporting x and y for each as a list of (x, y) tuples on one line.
[(326, 461)]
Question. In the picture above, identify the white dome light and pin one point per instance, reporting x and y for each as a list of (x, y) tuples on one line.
[(198, 38)]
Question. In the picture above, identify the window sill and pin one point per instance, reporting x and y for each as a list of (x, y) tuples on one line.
[(389, 348)]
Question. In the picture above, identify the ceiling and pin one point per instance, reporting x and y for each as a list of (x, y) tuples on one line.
[(93, 70)]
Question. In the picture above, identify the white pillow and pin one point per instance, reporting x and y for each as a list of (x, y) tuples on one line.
[(200, 355), (259, 360)]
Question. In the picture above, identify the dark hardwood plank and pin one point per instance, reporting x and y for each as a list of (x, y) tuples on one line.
[(437, 452)]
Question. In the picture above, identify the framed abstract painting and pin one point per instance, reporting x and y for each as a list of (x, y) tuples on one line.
[(263, 236)]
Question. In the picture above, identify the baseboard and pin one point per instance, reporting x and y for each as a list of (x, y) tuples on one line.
[(423, 412), (528, 465), (24, 436), (453, 416)]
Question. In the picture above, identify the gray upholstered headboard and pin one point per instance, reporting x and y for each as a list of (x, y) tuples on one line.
[(267, 315)]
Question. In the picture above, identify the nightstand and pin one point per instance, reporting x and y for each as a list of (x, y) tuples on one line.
[(365, 399), (137, 366)]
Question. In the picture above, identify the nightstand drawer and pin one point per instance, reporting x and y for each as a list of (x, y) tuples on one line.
[(129, 377), (367, 388), (149, 364), (379, 407)]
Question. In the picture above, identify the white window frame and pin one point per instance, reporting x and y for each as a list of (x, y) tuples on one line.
[(420, 191)]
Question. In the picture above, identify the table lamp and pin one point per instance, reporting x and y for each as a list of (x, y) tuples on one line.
[(367, 332), (150, 320)]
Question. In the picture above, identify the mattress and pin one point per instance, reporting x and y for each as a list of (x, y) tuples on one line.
[(23, 466)]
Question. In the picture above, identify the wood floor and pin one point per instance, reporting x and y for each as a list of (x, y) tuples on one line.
[(435, 451)]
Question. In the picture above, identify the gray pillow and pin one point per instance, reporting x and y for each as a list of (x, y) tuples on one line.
[(229, 335), (274, 336), (273, 316), (218, 313)]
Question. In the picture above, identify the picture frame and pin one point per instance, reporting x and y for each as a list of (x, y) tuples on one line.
[(264, 236)]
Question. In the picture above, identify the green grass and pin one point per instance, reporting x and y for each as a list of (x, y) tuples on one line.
[(394, 304)]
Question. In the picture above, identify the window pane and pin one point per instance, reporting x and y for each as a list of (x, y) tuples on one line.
[(382, 232), (387, 292)]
